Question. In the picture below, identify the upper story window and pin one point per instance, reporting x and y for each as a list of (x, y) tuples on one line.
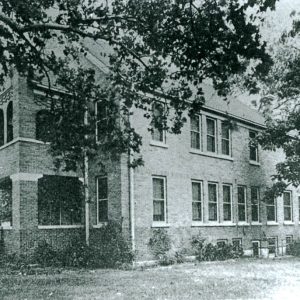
[(1, 127), (101, 119), (253, 155), (212, 202), (43, 125), (288, 206), (227, 202), (9, 113), (158, 133), (197, 201), (211, 134), (195, 132), (226, 139), (254, 191), (242, 204), (159, 199), (102, 199)]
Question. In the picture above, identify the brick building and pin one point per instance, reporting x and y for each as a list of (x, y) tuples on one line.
[(207, 181)]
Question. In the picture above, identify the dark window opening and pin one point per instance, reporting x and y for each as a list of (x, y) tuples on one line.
[(1, 127), (9, 112)]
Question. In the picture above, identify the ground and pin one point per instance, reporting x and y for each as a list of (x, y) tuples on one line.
[(241, 279)]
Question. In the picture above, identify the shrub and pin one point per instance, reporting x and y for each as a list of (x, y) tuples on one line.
[(159, 243), (293, 248), (44, 255)]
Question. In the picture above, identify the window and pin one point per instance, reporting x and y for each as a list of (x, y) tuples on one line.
[(272, 245), (59, 200), (101, 119), (255, 204), (225, 139), (211, 135), (288, 243), (221, 243), (212, 202), (227, 202), (9, 112), (195, 132), (253, 147), (242, 209), (271, 210), (158, 133), (197, 201), (1, 127), (237, 244), (159, 199), (5, 202), (287, 206), (43, 125), (102, 199)]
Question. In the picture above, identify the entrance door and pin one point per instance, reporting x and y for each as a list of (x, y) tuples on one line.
[(255, 248)]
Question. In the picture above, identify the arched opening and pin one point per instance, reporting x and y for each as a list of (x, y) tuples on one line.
[(1, 127), (9, 112)]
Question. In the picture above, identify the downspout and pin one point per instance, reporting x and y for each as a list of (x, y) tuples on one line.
[(131, 198)]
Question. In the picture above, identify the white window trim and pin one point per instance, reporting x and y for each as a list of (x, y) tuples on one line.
[(217, 202), (164, 222), (254, 162), (229, 141), (198, 132), (215, 135), (290, 206), (258, 205), (245, 203), (231, 200), (202, 194), (97, 199), (272, 222)]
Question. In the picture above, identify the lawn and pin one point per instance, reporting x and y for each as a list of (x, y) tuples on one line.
[(242, 279)]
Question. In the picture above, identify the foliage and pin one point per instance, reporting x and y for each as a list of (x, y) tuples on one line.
[(150, 50), (159, 243), (209, 252), (293, 248)]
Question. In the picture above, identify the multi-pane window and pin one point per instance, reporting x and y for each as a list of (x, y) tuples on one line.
[(287, 206), (253, 150), (242, 208), (159, 199), (237, 244), (211, 135), (225, 139), (212, 202), (197, 201), (158, 133), (271, 209), (254, 191), (102, 199), (101, 119), (226, 202), (195, 132)]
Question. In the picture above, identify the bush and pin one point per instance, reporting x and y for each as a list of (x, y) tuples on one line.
[(293, 248), (159, 243), (44, 255), (210, 252)]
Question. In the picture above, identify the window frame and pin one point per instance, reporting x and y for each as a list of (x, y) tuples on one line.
[(102, 199), (201, 200), (290, 207), (198, 133), (162, 132), (211, 136), (213, 202), (226, 140), (240, 245), (230, 189), (256, 160), (275, 244), (164, 200), (255, 204), (242, 204), (268, 205)]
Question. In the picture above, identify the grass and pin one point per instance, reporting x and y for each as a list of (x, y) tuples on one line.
[(242, 279)]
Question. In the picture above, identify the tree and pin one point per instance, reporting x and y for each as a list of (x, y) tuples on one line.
[(158, 51)]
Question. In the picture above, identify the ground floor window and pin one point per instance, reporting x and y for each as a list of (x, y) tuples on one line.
[(60, 200), (159, 199), (272, 245), (102, 199), (227, 202), (237, 244), (197, 200), (288, 243), (271, 210), (242, 208), (5, 202), (212, 202), (254, 191)]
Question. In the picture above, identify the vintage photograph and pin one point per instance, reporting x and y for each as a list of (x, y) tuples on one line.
[(149, 149)]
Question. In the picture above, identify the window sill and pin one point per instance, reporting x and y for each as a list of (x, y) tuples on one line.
[(59, 226), (6, 228), (99, 225), (211, 154), (160, 225), (213, 224), (159, 144), (256, 224), (254, 163), (288, 223), (271, 223), (243, 224)]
